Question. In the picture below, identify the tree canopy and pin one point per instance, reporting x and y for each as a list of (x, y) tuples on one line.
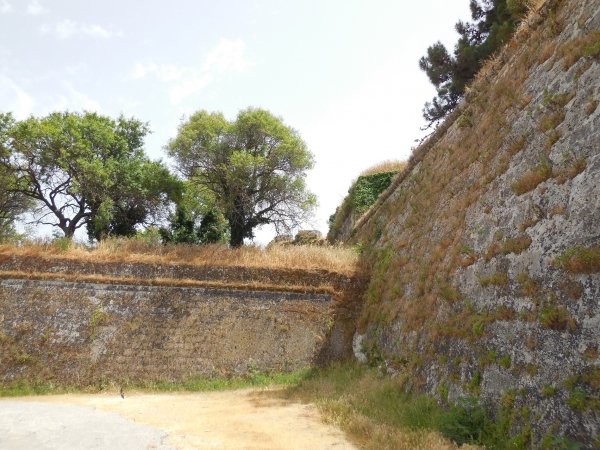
[(84, 169), (252, 169), (494, 22), (194, 220)]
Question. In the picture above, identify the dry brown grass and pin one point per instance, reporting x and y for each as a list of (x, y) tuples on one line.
[(167, 282), (530, 180), (373, 409), (579, 260), (385, 166), (573, 50), (516, 245), (332, 259), (546, 52), (591, 107)]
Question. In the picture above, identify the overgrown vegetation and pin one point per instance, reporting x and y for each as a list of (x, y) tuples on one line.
[(533, 178), (363, 193), (148, 249)]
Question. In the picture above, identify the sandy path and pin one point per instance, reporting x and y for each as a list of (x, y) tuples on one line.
[(223, 420)]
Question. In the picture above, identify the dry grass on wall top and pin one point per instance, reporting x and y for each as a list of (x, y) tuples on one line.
[(385, 166), (332, 259)]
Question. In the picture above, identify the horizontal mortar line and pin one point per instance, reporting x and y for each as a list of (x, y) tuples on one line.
[(165, 282)]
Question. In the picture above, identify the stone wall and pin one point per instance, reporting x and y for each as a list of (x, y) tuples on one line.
[(68, 322), (469, 295)]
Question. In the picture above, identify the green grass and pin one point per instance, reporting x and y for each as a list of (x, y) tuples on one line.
[(192, 384)]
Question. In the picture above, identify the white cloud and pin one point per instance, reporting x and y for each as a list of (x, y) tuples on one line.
[(190, 86), (165, 72), (5, 7), (226, 57), (16, 99), (35, 8), (68, 28), (98, 31), (141, 70)]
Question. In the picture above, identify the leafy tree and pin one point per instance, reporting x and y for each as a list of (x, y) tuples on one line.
[(84, 169), (139, 197), (494, 22), (12, 205), (183, 229), (194, 220), (253, 168)]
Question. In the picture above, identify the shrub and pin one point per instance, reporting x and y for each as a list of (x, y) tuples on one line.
[(578, 400), (369, 187), (505, 361), (449, 294), (528, 285), (547, 390), (465, 421), (478, 329)]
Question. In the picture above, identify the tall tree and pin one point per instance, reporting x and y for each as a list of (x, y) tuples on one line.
[(12, 204), (83, 169), (254, 168), (494, 22)]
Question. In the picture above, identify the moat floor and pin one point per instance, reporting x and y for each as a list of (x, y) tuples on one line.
[(242, 419)]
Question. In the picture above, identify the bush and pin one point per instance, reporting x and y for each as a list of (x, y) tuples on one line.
[(465, 421), (369, 187)]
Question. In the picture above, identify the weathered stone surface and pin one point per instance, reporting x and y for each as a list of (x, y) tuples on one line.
[(59, 321), (72, 332), (433, 312)]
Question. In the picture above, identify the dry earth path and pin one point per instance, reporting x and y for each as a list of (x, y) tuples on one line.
[(240, 419)]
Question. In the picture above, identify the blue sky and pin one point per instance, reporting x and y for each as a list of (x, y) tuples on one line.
[(343, 73)]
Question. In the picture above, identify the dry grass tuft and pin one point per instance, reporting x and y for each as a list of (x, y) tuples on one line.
[(516, 245), (585, 45), (579, 260), (385, 166), (533, 178), (591, 106), (332, 259)]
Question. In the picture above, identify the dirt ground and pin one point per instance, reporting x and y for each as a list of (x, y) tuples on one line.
[(240, 419)]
